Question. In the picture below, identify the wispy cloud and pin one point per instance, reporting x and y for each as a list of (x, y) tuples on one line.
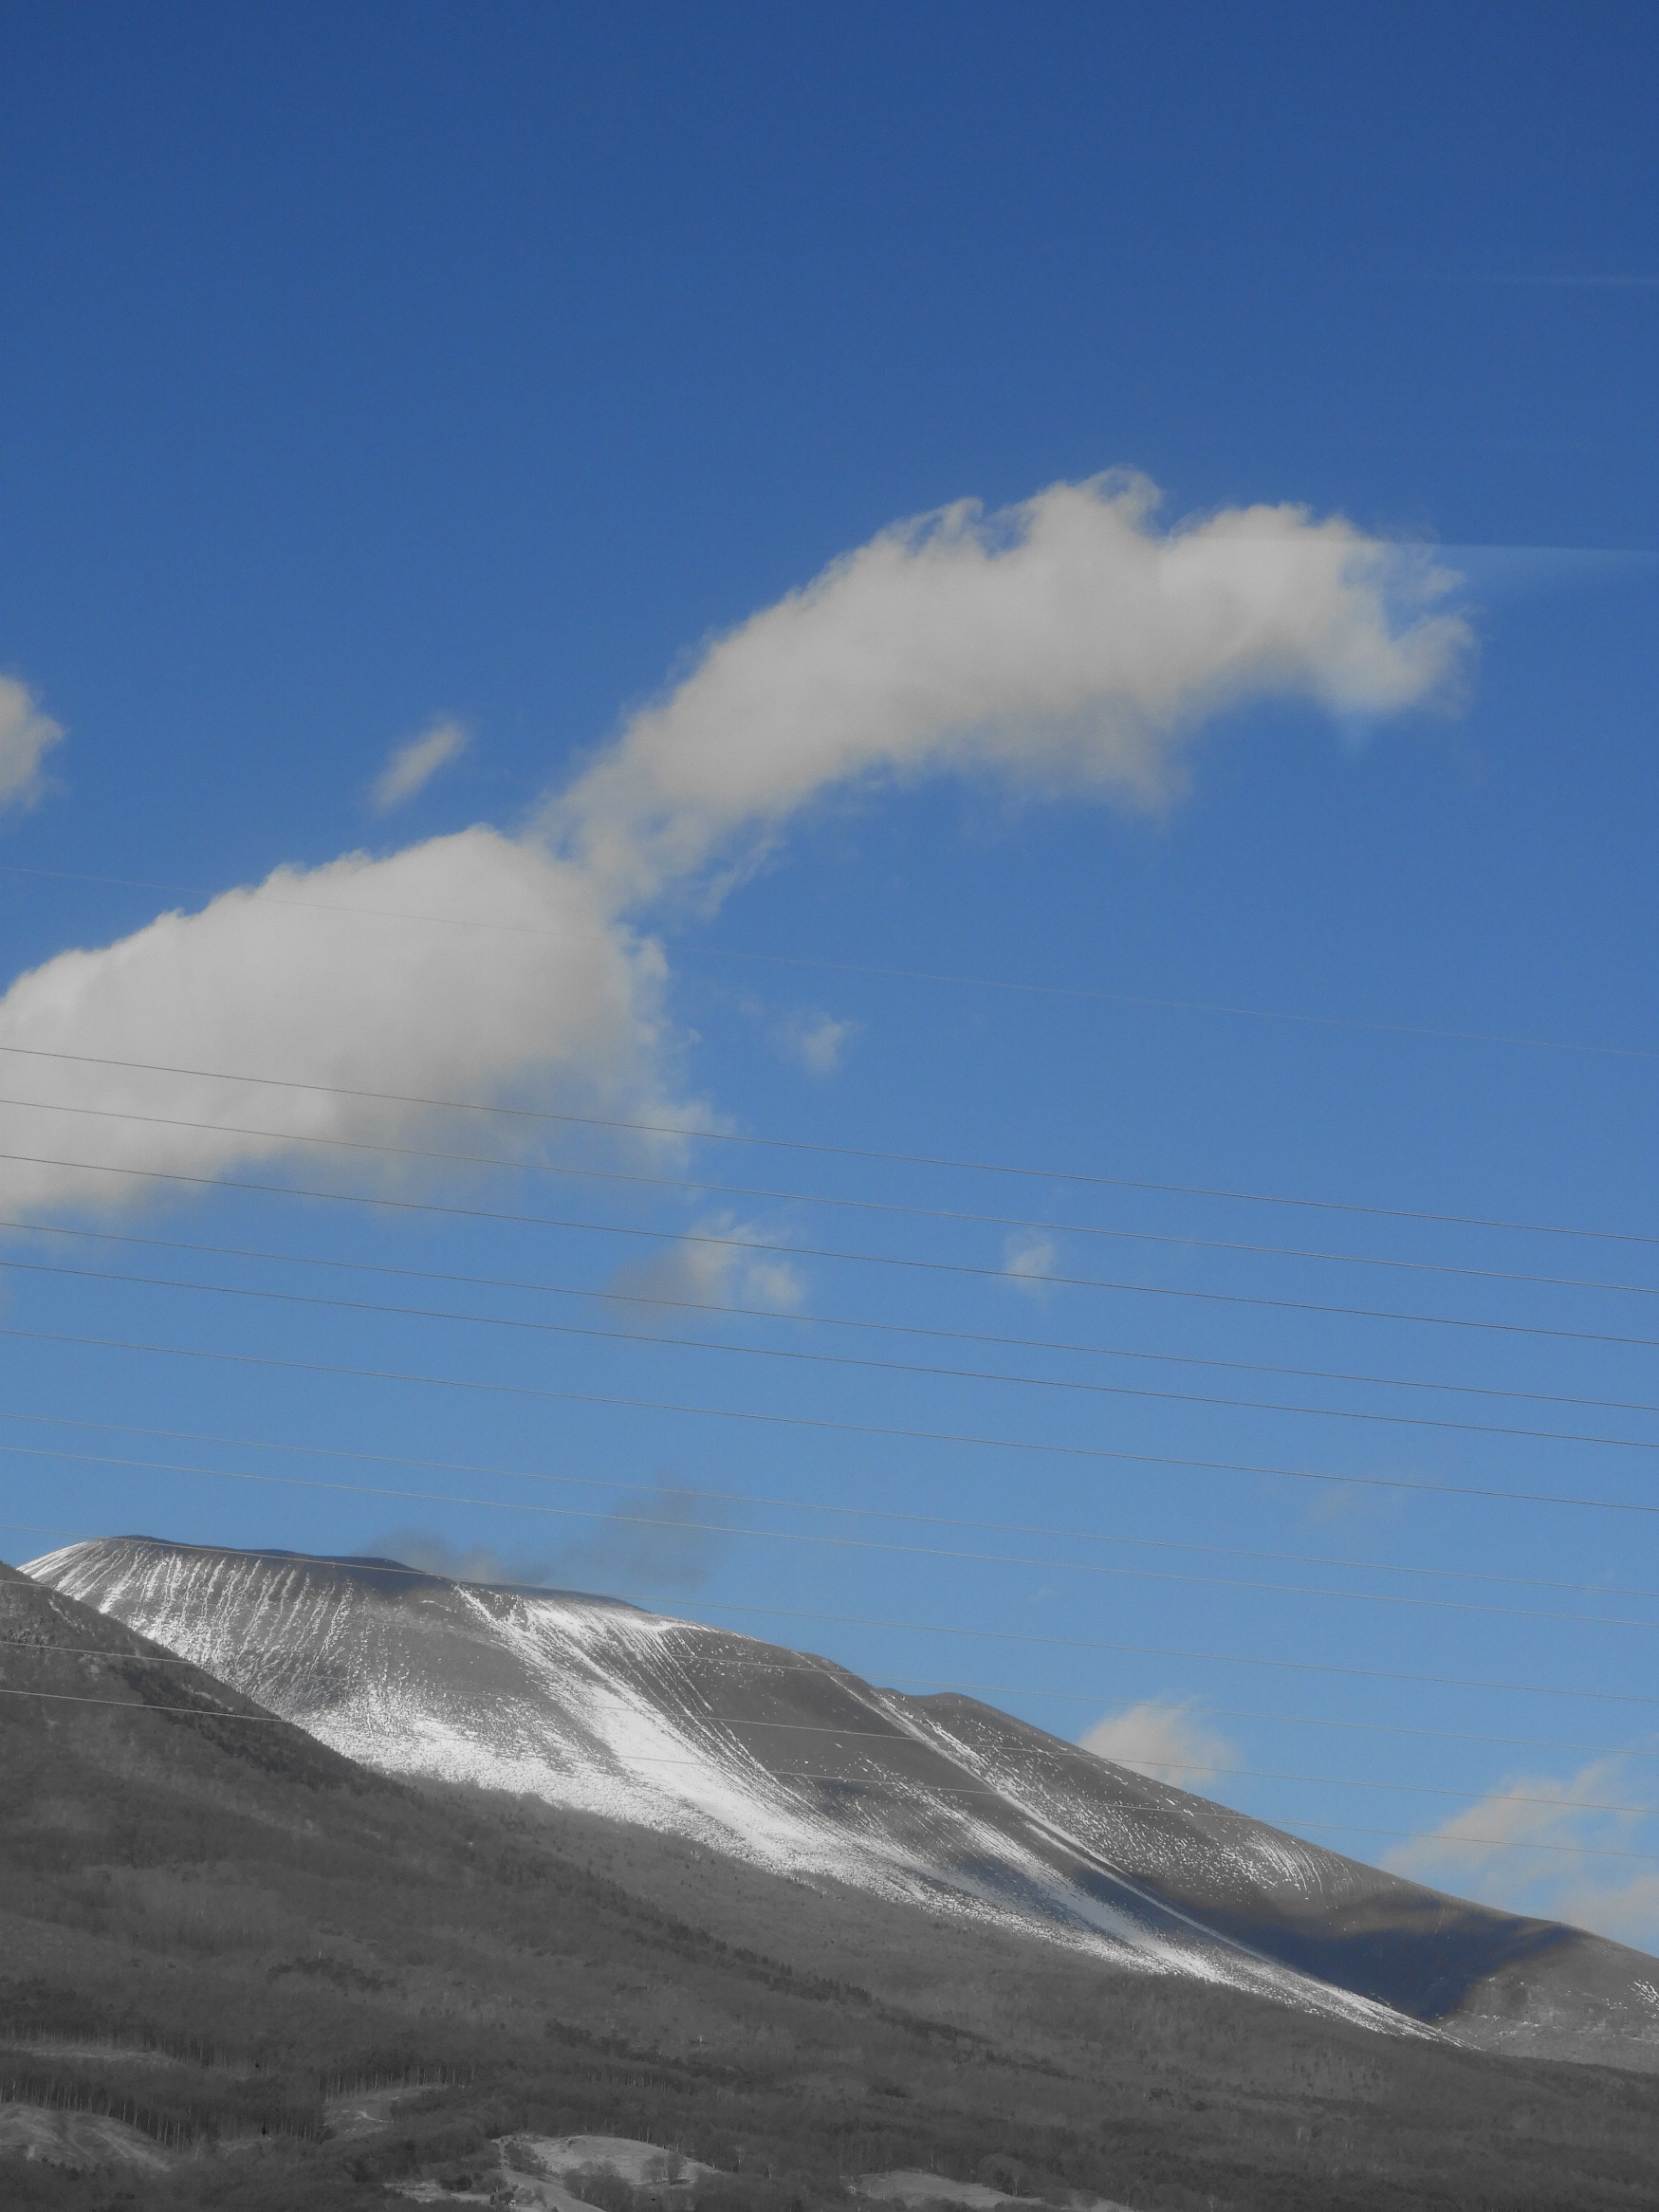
[(1067, 646), (669, 1539), (816, 1041), (661, 1538), (435, 1554), (412, 767), (690, 1272), (1541, 1845), (27, 736), (1163, 1740), (1028, 1259)]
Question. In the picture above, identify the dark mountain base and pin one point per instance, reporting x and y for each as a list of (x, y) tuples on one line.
[(209, 1925)]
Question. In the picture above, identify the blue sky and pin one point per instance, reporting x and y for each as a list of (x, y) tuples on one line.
[(382, 375)]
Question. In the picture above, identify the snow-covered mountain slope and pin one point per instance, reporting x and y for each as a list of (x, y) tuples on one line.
[(789, 1761)]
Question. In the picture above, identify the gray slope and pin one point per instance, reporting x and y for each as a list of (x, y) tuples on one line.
[(789, 1761)]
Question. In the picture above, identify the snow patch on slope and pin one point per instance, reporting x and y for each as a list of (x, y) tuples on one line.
[(765, 1755)]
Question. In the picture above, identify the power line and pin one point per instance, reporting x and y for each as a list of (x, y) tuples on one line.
[(933, 1789), (856, 967), (835, 1359), (1621, 1697), (1087, 1451), (697, 1306), (302, 1562), (811, 1198), (896, 1735), (1619, 1751), (705, 1135), (681, 1524), (1171, 1005), (1481, 1842), (783, 1505), (1230, 1298), (932, 1682)]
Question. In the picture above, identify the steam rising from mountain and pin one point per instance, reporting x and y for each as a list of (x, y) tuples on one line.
[(1067, 646)]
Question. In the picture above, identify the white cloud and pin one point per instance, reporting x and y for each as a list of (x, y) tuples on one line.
[(1543, 1845), (412, 767), (1068, 644), (1164, 1740), (1028, 1260), (816, 1041), (551, 1005), (27, 736), (692, 1273)]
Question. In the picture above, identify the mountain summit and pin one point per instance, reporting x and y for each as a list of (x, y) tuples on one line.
[(789, 1761)]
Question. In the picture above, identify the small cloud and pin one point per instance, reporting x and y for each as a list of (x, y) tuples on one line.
[(1028, 1259), (692, 1273), (1625, 1913), (412, 767), (1544, 1846), (1534, 1809), (662, 1536), (1350, 1504), (435, 1553), (1164, 1741), (27, 736), (816, 1041), (1551, 1847), (659, 1539)]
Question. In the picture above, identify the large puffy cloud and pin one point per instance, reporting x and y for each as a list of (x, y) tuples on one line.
[(352, 975), (1069, 644)]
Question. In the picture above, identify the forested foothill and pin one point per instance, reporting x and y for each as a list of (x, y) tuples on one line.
[(220, 1933)]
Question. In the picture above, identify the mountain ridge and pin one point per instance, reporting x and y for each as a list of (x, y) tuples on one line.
[(791, 1763), (221, 1930)]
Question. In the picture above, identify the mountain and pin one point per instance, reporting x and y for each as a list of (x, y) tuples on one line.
[(229, 1948), (788, 1762)]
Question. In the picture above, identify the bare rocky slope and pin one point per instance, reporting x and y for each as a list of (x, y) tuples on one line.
[(788, 1762)]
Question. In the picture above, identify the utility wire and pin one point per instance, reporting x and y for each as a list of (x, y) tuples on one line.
[(788, 1504), (1094, 1699), (827, 1151), (681, 1524), (1110, 1389), (301, 1563), (858, 967), (697, 1306), (898, 1734), (1230, 1298), (1089, 1452), (810, 1198), (1481, 1842), (986, 983), (1620, 1697), (877, 1781)]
